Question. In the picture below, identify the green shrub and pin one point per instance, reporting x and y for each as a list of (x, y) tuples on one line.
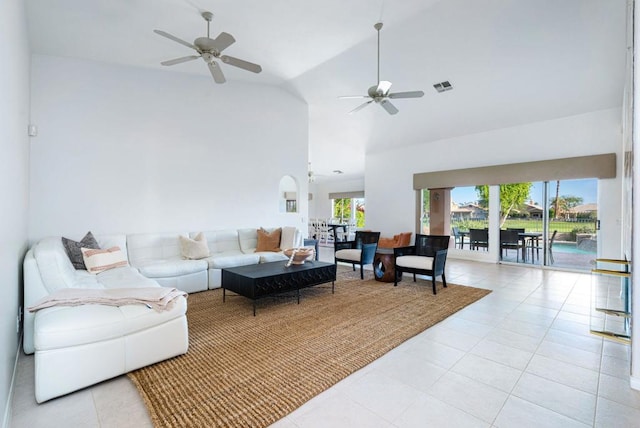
[(583, 229)]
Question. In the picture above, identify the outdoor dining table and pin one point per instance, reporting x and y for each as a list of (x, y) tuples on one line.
[(463, 234), (533, 238)]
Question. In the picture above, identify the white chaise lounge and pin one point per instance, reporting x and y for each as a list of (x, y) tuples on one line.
[(82, 345)]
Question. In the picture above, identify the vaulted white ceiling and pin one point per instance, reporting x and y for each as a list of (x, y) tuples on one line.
[(511, 61)]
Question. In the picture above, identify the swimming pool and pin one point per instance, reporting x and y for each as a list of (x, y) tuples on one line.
[(569, 247)]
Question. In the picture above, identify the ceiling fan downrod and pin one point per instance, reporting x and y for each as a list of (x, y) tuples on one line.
[(378, 26), (208, 16)]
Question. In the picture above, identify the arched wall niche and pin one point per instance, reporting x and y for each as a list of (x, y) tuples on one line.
[(288, 194)]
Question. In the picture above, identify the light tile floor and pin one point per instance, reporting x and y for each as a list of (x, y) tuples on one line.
[(520, 357)]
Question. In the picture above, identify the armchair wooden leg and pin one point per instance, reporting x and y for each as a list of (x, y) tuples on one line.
[(414, 277), (444, 281), (354, 267), (433, 283), (361, 272)]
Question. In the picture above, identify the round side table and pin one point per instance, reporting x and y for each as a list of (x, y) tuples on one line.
[(384, 265)]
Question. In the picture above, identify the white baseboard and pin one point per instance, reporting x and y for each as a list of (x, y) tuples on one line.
[(6, 420), (634, 381)]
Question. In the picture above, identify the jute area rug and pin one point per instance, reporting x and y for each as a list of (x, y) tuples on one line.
[(246, 371)]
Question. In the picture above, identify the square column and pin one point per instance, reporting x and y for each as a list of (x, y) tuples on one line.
[(440, 211)]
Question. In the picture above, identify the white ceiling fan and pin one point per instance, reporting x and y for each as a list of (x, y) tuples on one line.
[(209, 50), (380, 93), (312, 175)]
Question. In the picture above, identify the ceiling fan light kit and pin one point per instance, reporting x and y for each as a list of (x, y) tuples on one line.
[(380, 93), (209, 50)]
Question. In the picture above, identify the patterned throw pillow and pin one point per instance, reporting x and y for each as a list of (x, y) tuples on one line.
[(72, 248), (100, 260), (194, 249), (268, 241)]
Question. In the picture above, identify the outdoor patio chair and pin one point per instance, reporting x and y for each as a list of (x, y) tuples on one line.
[(427, 257), (361, 251), (458, 238), (510, 240), (478, 238), (549, 249)]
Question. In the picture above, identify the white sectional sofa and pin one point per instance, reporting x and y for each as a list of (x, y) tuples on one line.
[(77, 346)]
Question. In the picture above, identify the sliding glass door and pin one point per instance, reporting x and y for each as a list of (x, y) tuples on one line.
[(556, 221), (543, 223)]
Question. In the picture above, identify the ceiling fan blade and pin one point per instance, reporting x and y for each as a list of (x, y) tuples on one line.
[(390, 108), (383, 87), (180, 60), (216, 72), (245, 65), (175, 39), (223, 41), (410, 94), (360, 107), (353, 96)]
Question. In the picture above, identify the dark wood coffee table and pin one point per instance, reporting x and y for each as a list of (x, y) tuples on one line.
[(266, 279)]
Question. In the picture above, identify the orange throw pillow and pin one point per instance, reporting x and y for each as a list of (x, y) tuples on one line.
[(404, 239), (268, 241)]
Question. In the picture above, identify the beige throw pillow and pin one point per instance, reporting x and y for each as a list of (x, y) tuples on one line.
[(98, 261), (268, 241), (194, 249)]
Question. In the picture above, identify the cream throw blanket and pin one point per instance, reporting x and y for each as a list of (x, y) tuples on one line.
[(158, 298)]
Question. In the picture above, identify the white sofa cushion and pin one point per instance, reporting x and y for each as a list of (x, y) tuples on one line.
[(124, 277), (222, 261), (96, 323), (249, 239), (55, 267), (143, 247), (162, 268), (270, 256), (220, 241), (349, 254), (415, 262)]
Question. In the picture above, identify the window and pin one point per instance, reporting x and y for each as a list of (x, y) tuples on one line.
[(349, 210), (470, 218)]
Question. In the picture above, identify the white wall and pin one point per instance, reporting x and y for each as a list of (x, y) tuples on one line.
[(14, 175), (124, 150), (391, 198)]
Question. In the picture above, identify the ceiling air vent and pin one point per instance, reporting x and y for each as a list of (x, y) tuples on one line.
[(443, 86)]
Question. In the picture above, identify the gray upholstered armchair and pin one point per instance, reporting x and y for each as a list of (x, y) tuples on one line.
[(427, 257), (361, 251)]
